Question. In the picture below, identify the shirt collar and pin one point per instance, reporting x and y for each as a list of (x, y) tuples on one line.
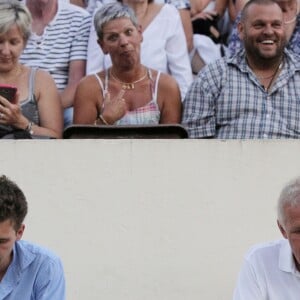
[(291, 61), (22, 257), (286, 261)]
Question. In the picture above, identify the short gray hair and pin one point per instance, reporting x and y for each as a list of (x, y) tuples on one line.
[(13, 12), (289, 196), (112, 11)]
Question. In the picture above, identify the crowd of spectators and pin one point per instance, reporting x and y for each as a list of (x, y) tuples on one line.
[(224, 65)]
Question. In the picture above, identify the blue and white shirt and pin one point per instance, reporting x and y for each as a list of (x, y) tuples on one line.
[(227, 101)]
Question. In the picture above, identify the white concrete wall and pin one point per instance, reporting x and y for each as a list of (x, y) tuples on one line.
[(150, 219)]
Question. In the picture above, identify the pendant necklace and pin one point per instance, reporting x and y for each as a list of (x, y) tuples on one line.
[(128, 85), (269, 76), (272, 77)]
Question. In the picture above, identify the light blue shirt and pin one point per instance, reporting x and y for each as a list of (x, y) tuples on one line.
[(35, 273)]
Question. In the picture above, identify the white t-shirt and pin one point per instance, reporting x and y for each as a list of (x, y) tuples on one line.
[(268, 273)]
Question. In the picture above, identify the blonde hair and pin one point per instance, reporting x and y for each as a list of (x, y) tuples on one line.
[(13, 12)]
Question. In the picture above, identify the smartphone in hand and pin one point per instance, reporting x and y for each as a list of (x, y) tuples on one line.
[(8, 92)]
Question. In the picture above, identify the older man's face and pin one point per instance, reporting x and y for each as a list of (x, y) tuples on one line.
[(291, 230)]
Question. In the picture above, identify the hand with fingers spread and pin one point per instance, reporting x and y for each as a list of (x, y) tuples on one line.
[(113, 109)]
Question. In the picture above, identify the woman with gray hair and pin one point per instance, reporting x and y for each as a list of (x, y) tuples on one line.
[(164, 50), (128, 93), (36, 106)]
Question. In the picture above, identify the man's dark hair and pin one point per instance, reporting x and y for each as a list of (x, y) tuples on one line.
[(258, 2), (13, 204)]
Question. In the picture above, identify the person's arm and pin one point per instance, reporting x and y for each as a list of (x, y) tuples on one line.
[(169, 100), (76, 73), (184, 9), (239, 4), (248, 287), (177, 54), (50, 283), (185, 16), (80, 3), (49, 106), (77, 60), (199, 105), (221, 6), (197, 6), (88, 95)]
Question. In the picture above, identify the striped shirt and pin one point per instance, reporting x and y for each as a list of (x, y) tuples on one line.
[(64, 39), (227, 101)]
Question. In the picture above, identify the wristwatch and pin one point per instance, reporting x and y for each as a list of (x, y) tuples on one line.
[(29, 128)]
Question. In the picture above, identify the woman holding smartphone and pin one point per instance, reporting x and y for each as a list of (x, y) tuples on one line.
[(36, 106)]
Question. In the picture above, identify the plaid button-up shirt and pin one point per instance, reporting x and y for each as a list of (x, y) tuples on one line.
[(227, 101)]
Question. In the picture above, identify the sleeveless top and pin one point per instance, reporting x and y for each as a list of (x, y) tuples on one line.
[(29, 106), (145, 115)]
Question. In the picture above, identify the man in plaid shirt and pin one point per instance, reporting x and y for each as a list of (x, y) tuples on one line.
[(254, 94)]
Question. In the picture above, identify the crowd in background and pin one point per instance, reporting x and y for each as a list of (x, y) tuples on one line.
[(179, 38)]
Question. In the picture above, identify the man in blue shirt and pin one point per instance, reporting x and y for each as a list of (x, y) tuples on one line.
[(27, 271)]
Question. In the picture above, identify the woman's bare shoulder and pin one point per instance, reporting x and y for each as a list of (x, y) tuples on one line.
[(167, 81), (91, 80), (43, 80)]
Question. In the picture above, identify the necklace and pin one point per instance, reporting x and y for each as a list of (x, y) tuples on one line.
[(128, 85), (269, 76), (292, 20), (277, 71)]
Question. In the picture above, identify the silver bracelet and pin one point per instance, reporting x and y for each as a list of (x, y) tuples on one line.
[(29, 128)]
